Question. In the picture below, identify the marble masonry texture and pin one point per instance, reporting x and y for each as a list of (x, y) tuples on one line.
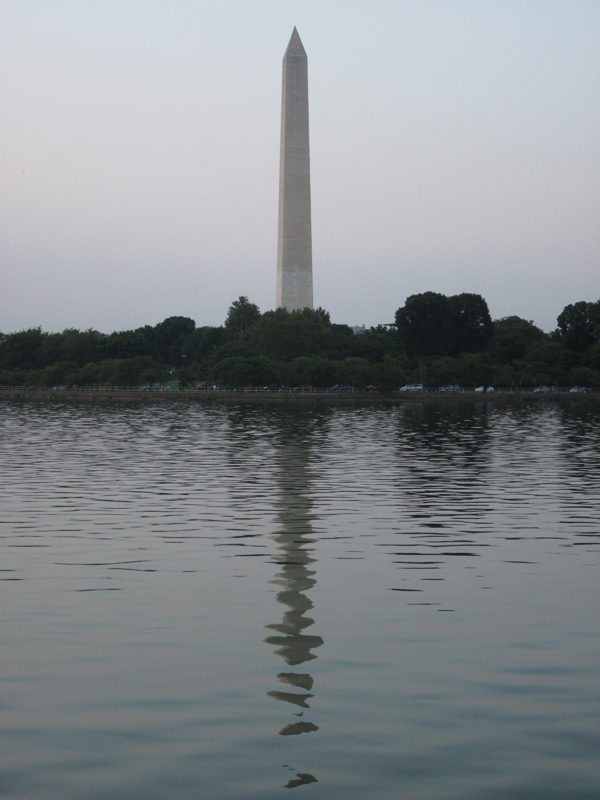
[(294, 247)]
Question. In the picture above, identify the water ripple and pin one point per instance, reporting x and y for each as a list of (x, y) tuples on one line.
[(135, 666)]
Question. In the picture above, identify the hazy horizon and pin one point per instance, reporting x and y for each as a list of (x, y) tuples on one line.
[(454, 148)]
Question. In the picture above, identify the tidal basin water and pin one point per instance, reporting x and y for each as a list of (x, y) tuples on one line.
[(212, 601)]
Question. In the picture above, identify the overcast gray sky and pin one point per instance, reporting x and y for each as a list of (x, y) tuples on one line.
[(455, 147)]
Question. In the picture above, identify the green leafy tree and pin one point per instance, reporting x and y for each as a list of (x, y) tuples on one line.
[(357, 372), (37, 377), (83, 346), (12, 377), (542, 364), (258, 371), (20, 350), (313, 370), (591, 358), (170, 339), (504, 375), (375, 343), (59, 374), (512, 336), (188, 376), (136, 371), (284, 335), (584, 376), (471, 323), (241, 316), (126, 344), (424, 326), (340, 342), (389, 374), (474, 369), (444, 370), (204, 345), (84, 376), (579, 325), (51, 349)]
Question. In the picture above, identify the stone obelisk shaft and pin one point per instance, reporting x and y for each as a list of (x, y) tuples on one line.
[(294, 247)]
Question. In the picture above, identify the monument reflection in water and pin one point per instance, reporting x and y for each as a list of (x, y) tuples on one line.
[(294, 540)]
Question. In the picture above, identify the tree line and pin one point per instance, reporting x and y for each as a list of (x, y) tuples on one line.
[(434, 340)]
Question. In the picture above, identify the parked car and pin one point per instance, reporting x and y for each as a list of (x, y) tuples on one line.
[(451, 387), (341, 387), (579, 389), (542, 389), (304, 388), (484, 389), (412, 387)]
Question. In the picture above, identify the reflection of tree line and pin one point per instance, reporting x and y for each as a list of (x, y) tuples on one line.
[(293, 538), (443, 458)]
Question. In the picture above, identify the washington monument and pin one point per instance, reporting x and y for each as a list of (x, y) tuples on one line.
[(294, 246)]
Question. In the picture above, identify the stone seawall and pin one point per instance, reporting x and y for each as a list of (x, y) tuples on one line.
[(296, 398)]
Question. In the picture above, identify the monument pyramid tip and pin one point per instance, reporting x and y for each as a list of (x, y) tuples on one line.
[(295, 45)]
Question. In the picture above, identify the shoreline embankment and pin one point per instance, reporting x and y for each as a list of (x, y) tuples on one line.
[(238, 397)]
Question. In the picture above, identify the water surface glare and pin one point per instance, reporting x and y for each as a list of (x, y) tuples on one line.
[(226, 602)]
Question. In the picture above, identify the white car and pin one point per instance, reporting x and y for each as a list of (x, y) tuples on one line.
[(412, 387), (484, 389)]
